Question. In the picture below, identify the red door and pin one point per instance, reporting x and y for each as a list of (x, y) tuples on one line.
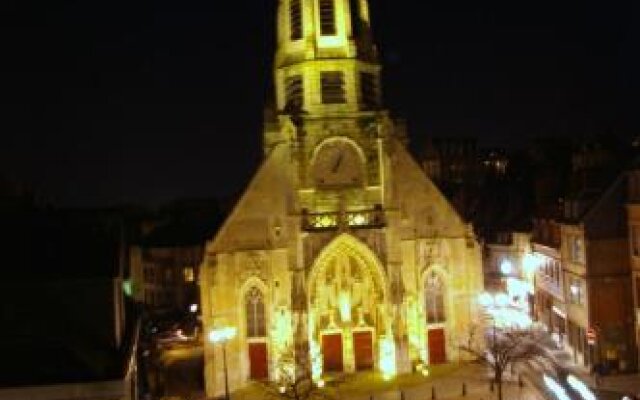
[(437, 352), (332, 352), (363, 350), (258, 361)]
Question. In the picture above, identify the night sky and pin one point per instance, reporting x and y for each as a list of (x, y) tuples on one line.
[(111, 102)]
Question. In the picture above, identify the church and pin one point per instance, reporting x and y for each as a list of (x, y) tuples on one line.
[(340, 246)]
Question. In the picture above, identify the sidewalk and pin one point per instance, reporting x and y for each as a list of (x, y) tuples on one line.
[(446, 387), (475, 378)]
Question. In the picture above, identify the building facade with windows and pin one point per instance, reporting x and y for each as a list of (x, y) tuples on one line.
[(633, 218), (584, 284), (340, 249), (550, 303)]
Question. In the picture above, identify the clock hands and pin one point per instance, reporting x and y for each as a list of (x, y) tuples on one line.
[(337, 163)]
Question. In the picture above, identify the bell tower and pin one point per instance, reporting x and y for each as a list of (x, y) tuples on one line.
[(326, 63)]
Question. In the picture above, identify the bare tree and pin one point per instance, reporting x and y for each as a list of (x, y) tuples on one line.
[(506, 348)]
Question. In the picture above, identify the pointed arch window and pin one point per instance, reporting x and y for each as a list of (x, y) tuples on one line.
[(434, 299), (255, 314)]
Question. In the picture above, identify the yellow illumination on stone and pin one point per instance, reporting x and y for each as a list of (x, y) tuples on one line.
[(387, 357), (413, 323), (316, 362)]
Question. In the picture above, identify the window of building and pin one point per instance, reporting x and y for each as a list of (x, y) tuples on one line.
[(434, 299), (369, 90), (327, 17), (295, 19), (576, 295), (576, 249), (256, 323), (188, 274), (332, 87), (294, 93)]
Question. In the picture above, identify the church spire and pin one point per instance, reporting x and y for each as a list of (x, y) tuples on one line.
[(326, 62)]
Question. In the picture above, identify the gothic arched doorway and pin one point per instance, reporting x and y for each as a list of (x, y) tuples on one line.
[(347, 306)]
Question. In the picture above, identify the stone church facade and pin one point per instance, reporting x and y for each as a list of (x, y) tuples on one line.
[(340, 247)]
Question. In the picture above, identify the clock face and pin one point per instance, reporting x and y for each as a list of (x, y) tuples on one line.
[(338, 163)]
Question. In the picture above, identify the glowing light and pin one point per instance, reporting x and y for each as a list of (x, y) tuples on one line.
[(222, 334), (193, 308), (316, 361), (358, 220), (555, 387), (425, 372), (387, 357), (282, 389), (508, 317), (502, 300), (581, 388), (324, 221), (345, 306), (320, 383), (485, 299), (530, 263), (506, 267), (574, 289), (127, 287)]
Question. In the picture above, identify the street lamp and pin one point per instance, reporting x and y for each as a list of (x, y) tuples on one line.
[(223, 335)]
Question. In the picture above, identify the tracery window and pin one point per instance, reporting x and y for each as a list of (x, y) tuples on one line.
[(434, 299), (255, 314)]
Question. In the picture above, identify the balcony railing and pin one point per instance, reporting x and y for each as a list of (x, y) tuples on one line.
[(373, 218)]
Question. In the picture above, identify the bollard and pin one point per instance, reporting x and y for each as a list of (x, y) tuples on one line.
[(520, 382), (433, 393), (371, 397), (464, 389), (491, 385), (401, 395)]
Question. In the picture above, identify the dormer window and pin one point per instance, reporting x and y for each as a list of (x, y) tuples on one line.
[(327, 17)]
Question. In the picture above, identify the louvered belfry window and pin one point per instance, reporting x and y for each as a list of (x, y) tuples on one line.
[(327, 17), (295, 19), (294, 93), (332, 87), (368, 90)]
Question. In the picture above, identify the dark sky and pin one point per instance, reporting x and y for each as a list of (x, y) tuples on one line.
[(118, 101)]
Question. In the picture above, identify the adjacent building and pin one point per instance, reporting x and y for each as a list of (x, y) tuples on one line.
[(633, 214), (69, 329), (340, 250), (583, 284), (166, 255)]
